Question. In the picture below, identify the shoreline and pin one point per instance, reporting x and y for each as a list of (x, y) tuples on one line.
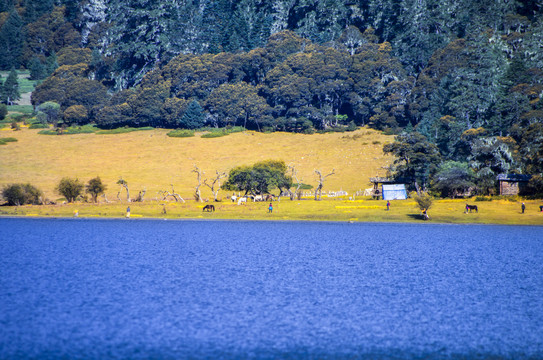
[(414, 222), (444, 211)]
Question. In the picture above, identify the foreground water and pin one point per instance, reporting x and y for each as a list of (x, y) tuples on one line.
[(99, 289)]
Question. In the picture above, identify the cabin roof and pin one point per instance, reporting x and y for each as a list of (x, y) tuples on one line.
[(514, 177)]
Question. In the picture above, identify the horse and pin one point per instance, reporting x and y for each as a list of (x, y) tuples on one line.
[(471, 207), (242, 200), (209, 207), (234, 198), (270, 197)]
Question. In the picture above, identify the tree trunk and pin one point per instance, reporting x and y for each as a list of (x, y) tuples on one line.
[(318, 191), (197, 195)]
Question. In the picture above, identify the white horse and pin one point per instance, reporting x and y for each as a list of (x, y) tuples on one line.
[(258, 198), (234, 198), (242, 200)]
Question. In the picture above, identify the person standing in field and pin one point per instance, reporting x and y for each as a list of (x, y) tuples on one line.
[(128, 212), (388, 205), (270, 208), (523, 207)]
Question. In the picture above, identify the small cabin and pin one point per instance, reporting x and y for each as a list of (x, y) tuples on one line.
[(512, 184), (394, 192), (391, 189)]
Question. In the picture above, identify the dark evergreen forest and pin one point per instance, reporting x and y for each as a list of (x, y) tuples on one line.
[(459, 81)]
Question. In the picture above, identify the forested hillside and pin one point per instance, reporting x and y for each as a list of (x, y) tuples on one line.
[(462, 81)]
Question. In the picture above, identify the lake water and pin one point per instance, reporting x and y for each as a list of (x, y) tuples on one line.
[(139, 289)]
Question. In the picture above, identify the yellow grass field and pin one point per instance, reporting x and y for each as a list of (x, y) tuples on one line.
[(151, 160), (330, 209)]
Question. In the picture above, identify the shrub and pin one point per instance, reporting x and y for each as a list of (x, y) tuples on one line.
[(38, 126), (70, 188), (95, 187), (21, 194), (181, 133), (123, 130), (72, 130), (5, 141), (3, 111), (215, 134), (424, 201), (76, 114)]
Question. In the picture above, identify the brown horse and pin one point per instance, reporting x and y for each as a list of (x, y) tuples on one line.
[(209, 207), (471, 207)]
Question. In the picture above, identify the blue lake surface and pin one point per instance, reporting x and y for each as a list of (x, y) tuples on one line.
[(139, 289)]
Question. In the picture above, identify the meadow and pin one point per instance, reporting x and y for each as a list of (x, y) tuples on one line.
[(306, 209), (153, 161)]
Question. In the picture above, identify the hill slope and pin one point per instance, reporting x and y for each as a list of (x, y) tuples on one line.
[(152, 160)]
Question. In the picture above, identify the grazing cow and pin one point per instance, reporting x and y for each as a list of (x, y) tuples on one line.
[(209, 207), (242, 200)]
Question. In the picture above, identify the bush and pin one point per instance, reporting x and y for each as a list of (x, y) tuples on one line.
[(3, 111), (70, 188), (424, 201), (21, 194), (38, 126), (5, 141), (95, 188), (215, 134), (181, 133), (72, 130), (123, 130)]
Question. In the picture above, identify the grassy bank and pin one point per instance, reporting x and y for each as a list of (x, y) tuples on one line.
[(330, 209)]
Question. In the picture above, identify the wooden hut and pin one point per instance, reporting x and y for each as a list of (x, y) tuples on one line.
[(512, 184)]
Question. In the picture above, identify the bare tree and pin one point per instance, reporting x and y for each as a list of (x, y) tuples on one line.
[(294, 173), (216, 184), (165, 194), (124, 185), (197, 194), (141, 195), (318, 191)]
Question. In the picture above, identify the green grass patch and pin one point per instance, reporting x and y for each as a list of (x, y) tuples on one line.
[(72, 130), (123, 130), (48, 132), (215, 133), (38, 125), (24, 109), (26, 85), (181, 133), (5, 141), (15, 117)]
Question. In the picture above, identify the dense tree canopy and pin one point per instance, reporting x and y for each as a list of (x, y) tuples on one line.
[(467, 76), (259, 178)]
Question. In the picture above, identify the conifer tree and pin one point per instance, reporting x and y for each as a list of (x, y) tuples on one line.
[(193, 117), (10, 89), (51, 64), (11, 41), (37, 69)]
